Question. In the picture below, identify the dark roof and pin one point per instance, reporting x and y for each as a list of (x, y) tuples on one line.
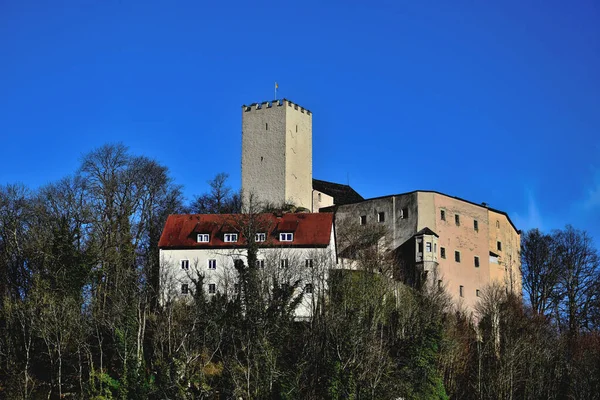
[(426, 231), (310, 230), (483, 205), (342, 194)]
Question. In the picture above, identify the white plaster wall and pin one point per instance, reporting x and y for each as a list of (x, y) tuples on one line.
[(325, 201), (225, 275)]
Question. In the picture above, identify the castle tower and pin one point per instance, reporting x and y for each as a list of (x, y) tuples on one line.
[(277, 153)]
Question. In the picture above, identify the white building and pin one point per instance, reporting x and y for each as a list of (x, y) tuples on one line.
[(292, 247)]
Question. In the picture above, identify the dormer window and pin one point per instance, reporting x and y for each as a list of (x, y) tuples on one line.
[(260, 237), (203, 238), (230, 237), (286, 237)]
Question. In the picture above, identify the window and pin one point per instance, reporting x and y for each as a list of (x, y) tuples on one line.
[(404, 213), (457, 256), (477, 292), (309, 263), (185, 264), (497, 224), (308, 288), (184, 289), (212, 288), (443, 215), (260, 263), (363, 219), (237, 263), (231, 237), (260, 237), (499, 245), (435, 248), (443, 252), (476, 225), (212, 264), (420, 247), (203, 238), (266, 126), (476, 261), (284, 263), (319, 196), (428, 247), (461, 290), (439, 284), (286, 237), (381, 216), (457, 219)]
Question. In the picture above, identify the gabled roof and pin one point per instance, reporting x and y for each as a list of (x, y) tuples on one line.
[(426, 231), (310, 230), (342, 194)]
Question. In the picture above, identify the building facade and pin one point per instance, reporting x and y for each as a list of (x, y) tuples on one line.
[(441, 240), (201, 252)]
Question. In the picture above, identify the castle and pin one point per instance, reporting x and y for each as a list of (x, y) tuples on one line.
[(429, 237)]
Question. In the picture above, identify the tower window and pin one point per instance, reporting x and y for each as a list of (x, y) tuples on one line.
[(497, 224), (428, 247), (266, 126), (439, 284), (443, 215), (363, 219), (477, 293), (319, 196), (476, 225), (461, 291), (443, 252), (499, 245), (476, 261), (420, 247), (457, 256), (296, 128), (381, 216), (457, 219)]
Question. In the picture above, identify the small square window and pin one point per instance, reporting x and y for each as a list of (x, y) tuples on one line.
[(260, 237), (284, 263), (476, 225), (203, 238), (477, 293), (212, 288), (476, 261), (308, 289), (499, 245), (457, 219), (457, 256), (443, 215), (363, 219), (185, 264), (443, 252), (461, 291), (230, 237), (260, 263), (428, 247), (286, 237), (212, 264), (185, 289), (381, 216), (309, 263), (404, 213)]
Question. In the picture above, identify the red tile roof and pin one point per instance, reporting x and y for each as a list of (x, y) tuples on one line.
[(310, 230)]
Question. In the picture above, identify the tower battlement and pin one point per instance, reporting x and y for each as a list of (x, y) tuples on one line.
[(275, 103)]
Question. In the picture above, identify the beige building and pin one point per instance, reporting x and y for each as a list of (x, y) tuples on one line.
[(444, 240)]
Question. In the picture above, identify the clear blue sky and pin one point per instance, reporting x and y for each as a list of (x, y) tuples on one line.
[(491, 102)]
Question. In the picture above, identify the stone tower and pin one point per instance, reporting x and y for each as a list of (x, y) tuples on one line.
[(277, 153)]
